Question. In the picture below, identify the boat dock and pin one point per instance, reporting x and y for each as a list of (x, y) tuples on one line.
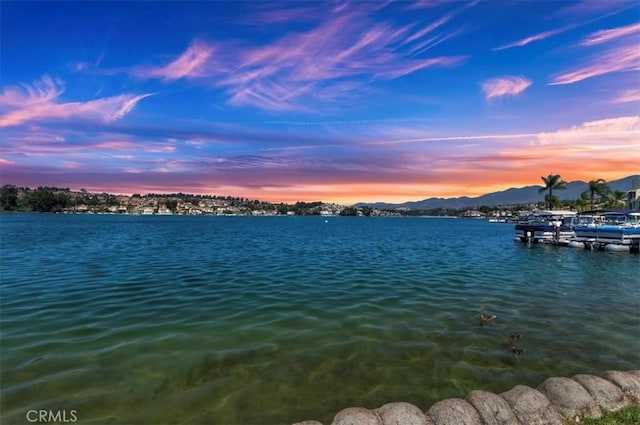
[(617, 231)]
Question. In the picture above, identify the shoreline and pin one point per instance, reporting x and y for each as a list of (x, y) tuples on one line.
[(556, 401)]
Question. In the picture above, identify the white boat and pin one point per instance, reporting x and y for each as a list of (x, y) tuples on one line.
[(546, 226), (497, 220)]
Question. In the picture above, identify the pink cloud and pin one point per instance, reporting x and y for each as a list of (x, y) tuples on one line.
[(281, 74), (106, 110), (298, 69), (422, 64), (130, 146), (628, 96), (73, 165), (127, 102), (6, 162), (39, 101), (505, 86), (432, 42), (115, 145), (617, 59), (271, 95), (531, 39), (586, 11), (269, 13), (425, 4), (429, 28), (608, 35), (38, 92), (189, 64)]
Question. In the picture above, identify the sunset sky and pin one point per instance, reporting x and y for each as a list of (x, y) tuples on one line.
[(336, 101)]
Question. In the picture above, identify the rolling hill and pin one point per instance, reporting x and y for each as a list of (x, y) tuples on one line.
[(511, 196)]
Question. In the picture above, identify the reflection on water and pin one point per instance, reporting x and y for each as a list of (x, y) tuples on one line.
[(245, 320)]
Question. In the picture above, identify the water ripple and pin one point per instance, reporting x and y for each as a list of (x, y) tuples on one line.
[(272, 320)]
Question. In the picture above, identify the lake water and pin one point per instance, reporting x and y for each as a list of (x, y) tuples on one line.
[(269, 320)]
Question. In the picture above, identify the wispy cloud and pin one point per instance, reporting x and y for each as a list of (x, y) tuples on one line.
[(603, 36), (617, 59), (40, 91), (586, 133), (589, 8), (6, 162), (505, 86), (620, 55), (80, 66), (632, 95), (191, 64), (586, 12), (429, 28), (266, 13), (629, 125), (39, 101), (531, 39), (132, 146), (338, 55), (425, 4)]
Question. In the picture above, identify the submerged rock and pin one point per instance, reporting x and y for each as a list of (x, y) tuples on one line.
[(402, 413), (357, 416), (493, 409), (627, 382), (634, 372), (570, 398), (608, 396), (582, 395), (454, 411), (531, 407)]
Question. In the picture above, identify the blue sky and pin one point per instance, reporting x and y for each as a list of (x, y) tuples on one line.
[(334, 101)]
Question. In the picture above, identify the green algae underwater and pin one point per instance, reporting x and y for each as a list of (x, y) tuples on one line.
[(268, 320)]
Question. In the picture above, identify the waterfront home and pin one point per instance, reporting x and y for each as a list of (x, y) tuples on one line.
[(473, 214), (164, 211)]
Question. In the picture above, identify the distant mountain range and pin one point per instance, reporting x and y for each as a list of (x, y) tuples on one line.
[(512, 196)]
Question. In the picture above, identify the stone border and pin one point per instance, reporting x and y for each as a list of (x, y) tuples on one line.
[(554, 401)]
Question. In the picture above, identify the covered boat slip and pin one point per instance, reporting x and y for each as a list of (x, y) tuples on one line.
[(608, 230), (612, 231), (546, 226)]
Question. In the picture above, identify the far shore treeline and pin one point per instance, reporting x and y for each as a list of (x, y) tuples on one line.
[(56, 199)]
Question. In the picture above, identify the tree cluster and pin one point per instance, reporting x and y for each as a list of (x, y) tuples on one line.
[(42, 199), (599, 193)]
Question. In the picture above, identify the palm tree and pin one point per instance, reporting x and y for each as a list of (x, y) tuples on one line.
[(583, 203), (597, 187), (617, 199), (552, 182)]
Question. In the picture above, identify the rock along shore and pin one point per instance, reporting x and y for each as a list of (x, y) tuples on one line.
[(555, 401)]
